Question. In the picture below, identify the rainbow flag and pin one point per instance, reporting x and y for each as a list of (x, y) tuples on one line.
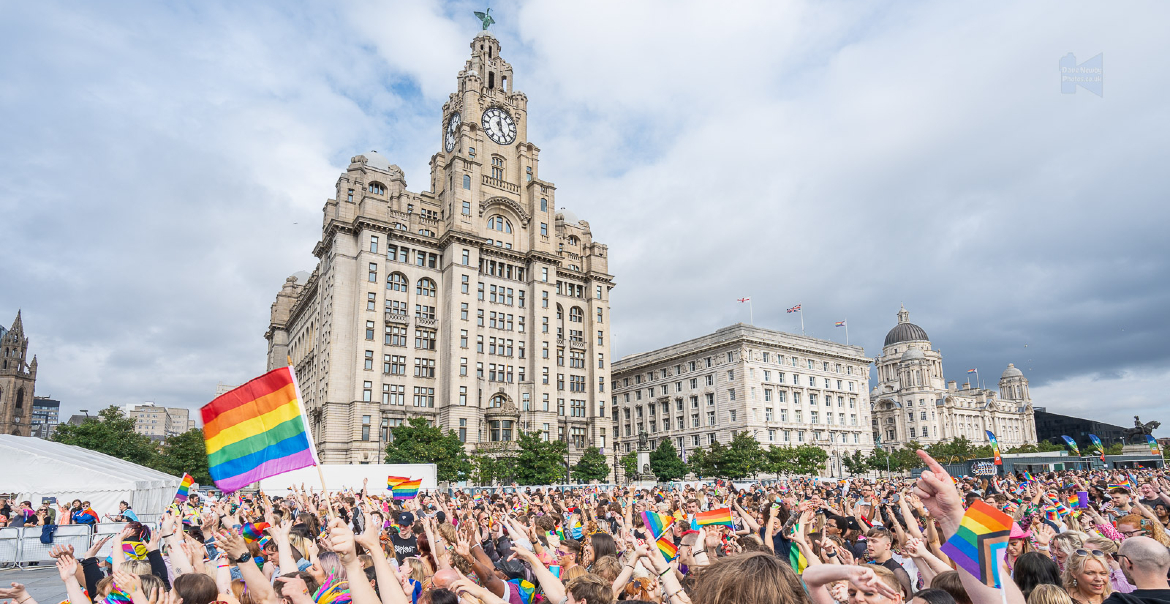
[(981, 542), (840, 324), (1124, 484), (256, 431), (406, 490), (667, 547), (332, 591), (393, 481), (994, 447), (1153, 442), (1028, 477), (253, 532), (797, 560), (1049, 513), (655, 523), (1072, 444), (972, 371), (1097, 443), (92, 515), (524, 589), (719, 516), (184, 487), (134, 550)]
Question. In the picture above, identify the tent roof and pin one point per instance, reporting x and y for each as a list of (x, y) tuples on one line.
[(36, 465)]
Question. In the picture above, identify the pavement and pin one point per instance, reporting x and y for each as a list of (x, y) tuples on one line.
[(43, 583)]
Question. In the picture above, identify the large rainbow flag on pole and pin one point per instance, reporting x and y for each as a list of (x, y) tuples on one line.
[(256, 431), (719, 516), (994, 447)]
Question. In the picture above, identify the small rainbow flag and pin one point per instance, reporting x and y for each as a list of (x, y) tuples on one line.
[(840, 324), (406, 490), (719, 516), (1153, 442), (256, 431), (1049, 513), (524, 589), (667, 547), (994, 447), (1120, 485), (972, 371), (134, 550), (393, 481), (655, 523), (981, 542), (184, 487), (1028, 477), (253, 532)]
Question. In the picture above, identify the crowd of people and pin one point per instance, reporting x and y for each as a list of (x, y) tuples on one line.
[(50, 513), (1077, 537)]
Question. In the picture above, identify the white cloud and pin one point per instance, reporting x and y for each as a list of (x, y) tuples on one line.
[(1111, 399)]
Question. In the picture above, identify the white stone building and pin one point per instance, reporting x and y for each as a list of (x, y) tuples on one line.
[(911, 403), (783, 388), (474, 303)]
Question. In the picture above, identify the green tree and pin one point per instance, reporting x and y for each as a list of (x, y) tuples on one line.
[(1040, 447), (744, 457), (493, 462), (111, 433), (629, 464), (591, 466), (856, 463), (905, 458), (778, 460), (665, 462), (418, 442), (878, 460), (716, 454), (699, 462), (809, 459), (1114, 449), (187, 453), (539, 461)]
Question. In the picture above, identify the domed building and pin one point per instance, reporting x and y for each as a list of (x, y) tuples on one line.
[(913, 402)]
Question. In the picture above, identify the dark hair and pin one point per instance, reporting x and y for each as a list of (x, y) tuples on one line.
[(439, 596), (591, 588), (935, 596), (772, 581), (196, 588), (603, 545), (1034, 568), (949, 582)]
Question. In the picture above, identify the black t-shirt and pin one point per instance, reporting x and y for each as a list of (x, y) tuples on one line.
[(404, 548), (900, 574), (1139, 596)]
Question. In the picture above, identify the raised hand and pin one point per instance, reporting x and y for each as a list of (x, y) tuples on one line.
[(864, 579), (96, 547), (67, 566), (16, 592), (938, 493)]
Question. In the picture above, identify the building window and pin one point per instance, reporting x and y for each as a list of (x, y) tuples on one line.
[(396, 282), (367, 391), (467, 180), (466, 262), (424, 367), (543, 300), (394, 394), (369, 366), (365, 427), (349, 197), (369, 330), (373, 272), (395, 335), (544, 229), (424, 339), (374, 243)]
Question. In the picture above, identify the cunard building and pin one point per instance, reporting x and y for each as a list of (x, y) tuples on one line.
[(474, 303)]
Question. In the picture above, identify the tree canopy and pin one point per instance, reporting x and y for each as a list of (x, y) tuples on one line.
[(186, 452), (591, 466), (539, 461), (417, 441), (665, 462), (112, 433)]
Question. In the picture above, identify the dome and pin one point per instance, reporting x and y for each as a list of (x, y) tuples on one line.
[(913, 354), (568, 216), (377, 161), (905, 331), (1011, 372)]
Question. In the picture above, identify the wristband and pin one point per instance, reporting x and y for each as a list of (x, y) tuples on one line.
[(699, 551), (663, 573), (831, 554)]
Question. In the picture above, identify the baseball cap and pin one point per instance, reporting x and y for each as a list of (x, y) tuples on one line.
[(405, 519)]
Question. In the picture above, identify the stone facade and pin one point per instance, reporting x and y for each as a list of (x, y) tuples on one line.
[(159, 423), (783, 388), (475, 304), (910, 402), (18, 377)]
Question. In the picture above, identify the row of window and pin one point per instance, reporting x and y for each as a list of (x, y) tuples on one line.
[(396, 282), (396, 335)]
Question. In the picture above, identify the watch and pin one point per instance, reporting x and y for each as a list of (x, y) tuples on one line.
[(244, 558)]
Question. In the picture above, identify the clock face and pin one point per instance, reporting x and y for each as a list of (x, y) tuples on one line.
[(499, 126), (452, 130)]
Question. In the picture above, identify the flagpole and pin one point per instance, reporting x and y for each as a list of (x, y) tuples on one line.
[(751, 313), (801, 318), (846, 331)]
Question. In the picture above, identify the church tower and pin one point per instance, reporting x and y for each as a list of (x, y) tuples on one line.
[(17, 378)]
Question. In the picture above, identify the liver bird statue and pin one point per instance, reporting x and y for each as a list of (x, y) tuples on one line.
[(485, 17)]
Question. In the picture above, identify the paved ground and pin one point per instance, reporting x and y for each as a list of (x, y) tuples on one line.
[(43, 584)]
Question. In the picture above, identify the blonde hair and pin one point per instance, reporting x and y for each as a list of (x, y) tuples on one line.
[(1076, 564), (1049, 594), (574, 571), (419, 568), (135, 567)]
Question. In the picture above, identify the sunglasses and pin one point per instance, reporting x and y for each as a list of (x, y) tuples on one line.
[(1085, 552)]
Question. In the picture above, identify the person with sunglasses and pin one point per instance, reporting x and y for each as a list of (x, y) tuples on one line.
[(1086, 576), (1146, 564)]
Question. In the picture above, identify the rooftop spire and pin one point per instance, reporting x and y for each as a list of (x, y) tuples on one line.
[(903, 315), (17, 325)]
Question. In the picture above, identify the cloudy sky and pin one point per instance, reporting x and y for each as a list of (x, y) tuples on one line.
[(165, 165)]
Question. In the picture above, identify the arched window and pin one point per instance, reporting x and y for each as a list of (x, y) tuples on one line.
[(396, 282), (572, 240), (575, 314), (496, 401), (497, 167), (20, 398), (466, 181), (400, 226), (426, 287), (499, 223), (543, 204), (377, 187), (560, 313)]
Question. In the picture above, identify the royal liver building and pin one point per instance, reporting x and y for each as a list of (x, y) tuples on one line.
[(475, 303)]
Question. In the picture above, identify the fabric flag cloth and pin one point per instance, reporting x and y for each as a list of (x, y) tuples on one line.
[(840, 324), (655, 522), (1097, 443), (745, 300), (719, 516), (253, 532), (972, 371), (797, 560), (256, 431), (393, 481), (794, 308), (667, 547), (185, 487), (524, 589), (1153, 442), (1072, 444), (134, 550), (994, 447), (332, 591), (406, 490), (981, 542)]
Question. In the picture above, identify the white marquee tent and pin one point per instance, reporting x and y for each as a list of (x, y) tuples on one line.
[(35, 468)]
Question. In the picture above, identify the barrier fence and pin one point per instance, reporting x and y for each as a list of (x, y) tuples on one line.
[(20, 547)]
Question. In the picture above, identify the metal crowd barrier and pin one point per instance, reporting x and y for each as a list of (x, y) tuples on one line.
[(32, 550), (9, 547)]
